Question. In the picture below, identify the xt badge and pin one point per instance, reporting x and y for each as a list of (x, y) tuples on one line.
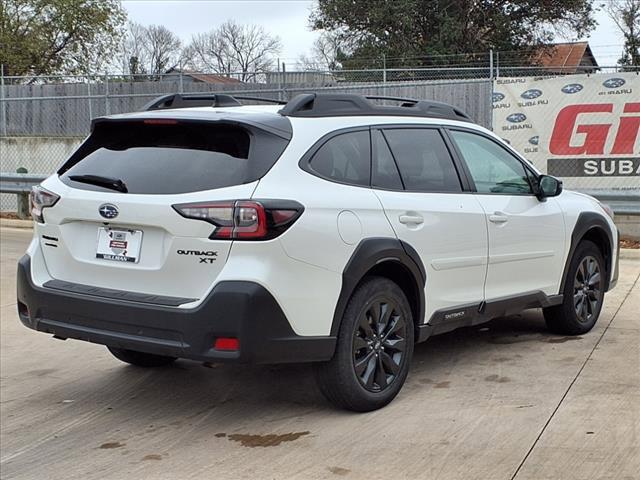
[(206, 256)]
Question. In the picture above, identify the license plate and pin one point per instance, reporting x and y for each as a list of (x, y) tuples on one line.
[(119, 245)]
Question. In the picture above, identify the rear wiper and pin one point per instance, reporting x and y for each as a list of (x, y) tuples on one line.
[(106, 182)]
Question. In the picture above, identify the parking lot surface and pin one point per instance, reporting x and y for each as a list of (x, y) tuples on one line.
[(503, 400)]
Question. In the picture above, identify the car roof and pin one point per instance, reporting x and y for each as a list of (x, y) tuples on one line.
[(324, 112)]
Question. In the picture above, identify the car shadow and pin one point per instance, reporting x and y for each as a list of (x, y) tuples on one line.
[(187, 390)]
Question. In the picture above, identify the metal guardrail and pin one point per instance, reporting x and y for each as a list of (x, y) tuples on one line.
[(622, 202), (19, 182)]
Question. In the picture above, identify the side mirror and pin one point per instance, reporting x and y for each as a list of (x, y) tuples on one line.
[(549, 186)]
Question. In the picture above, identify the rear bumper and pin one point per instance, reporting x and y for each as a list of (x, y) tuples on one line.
[(240, 309)]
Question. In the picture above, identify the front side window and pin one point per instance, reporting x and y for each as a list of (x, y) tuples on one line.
[(423, 160), (493, 169), (345, 158)]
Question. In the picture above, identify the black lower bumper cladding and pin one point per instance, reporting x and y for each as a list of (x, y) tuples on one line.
[(238, 309)]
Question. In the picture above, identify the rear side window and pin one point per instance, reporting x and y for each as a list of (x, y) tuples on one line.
[(173, 158), (423, 159), (345, 158)]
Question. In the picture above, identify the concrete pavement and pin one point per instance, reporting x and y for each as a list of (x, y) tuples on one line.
[(500, 401)]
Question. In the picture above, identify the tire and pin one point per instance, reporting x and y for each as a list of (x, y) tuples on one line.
[(369, 367), (141, 359), (583, 293)]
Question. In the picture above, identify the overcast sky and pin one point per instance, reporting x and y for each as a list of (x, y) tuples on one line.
[(289, 19)]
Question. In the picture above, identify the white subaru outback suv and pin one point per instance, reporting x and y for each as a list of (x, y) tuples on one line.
[(334, 229)]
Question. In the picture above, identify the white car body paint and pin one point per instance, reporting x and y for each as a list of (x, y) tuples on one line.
[(468, 258)]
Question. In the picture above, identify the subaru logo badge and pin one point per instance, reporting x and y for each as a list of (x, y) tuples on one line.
[(614, 82), (497, 97), (108, 211), (531, 94), (572, 88), (516, 118)]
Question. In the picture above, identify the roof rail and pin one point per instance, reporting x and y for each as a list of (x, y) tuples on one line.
[(178, 100), (347, 104), (260, 99)]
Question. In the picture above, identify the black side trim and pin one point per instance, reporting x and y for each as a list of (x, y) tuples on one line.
[(473, 314), (117, 294), (409, 250), (368, 254), (588, 221)]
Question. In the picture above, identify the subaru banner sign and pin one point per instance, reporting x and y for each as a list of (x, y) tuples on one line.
[(584, 129)]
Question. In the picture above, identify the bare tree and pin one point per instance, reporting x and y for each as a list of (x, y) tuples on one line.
[(232, 48), (163, 49), (326, 52), (133, 56), (626, 16), (309, 63), (151, 50), (209, 52)]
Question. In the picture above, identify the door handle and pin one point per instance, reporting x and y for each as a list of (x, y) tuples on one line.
[(414, 219), (498, 217)]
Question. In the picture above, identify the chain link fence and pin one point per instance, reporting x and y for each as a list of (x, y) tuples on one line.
[(43, 119)]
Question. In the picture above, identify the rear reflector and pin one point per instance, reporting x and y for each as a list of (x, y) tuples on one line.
[(244, 219), (228, 344)]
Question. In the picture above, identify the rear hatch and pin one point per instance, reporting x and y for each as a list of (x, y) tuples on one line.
[(118, 223)]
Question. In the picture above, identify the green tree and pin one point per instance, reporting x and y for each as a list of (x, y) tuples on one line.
[(44, 37), (420, 29)]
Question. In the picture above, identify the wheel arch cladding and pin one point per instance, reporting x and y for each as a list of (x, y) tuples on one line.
[(385, 257), (595, 228)]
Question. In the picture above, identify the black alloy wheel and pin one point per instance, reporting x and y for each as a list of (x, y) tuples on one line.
[(587, 289), (583, 292), (373, 350), (379, 344)]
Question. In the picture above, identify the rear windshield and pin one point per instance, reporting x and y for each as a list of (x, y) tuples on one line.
[(153, 157)]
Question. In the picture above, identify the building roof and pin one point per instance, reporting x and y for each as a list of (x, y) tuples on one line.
[(211, 77), (205, 77), (566, 57)]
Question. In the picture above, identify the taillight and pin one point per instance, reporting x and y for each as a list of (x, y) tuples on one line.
[(41, 198), (244, 219)]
